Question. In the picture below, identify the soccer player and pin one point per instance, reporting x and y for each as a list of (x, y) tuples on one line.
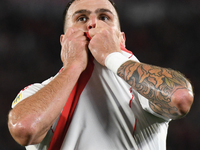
[(103, 98)]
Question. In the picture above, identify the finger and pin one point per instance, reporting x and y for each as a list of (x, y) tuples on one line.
[(92, 32), (70, 31), (101, 24), (77, 34), (67, 34), (73, 33)]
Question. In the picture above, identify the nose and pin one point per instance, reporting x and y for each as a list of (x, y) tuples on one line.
[(92, 23), (90, 26)]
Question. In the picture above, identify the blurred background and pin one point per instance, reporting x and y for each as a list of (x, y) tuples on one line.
[(160, 32)]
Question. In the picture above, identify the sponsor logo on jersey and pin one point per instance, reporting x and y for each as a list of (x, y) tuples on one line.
[(17, 99)]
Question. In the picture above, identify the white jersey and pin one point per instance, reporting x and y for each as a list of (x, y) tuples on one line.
[(110, 115)]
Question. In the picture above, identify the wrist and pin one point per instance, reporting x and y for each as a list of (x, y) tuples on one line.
[(73, 68), (114, 60)]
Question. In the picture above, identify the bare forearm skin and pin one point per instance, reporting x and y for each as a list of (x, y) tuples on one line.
[(30, 120), (169, 93)]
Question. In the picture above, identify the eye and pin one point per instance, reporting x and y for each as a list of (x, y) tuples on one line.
[(104, 18), (82, 19)]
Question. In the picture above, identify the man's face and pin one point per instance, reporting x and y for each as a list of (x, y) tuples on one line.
[(84, 14)]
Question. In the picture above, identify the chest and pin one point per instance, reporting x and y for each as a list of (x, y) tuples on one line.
[(103, 118)]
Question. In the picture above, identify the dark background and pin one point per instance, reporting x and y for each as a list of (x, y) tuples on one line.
[(160, 32)]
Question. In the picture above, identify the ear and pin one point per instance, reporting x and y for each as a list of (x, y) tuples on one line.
[(61, 38), (123, 39)]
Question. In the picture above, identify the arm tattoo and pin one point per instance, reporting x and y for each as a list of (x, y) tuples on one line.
[(155, 83)]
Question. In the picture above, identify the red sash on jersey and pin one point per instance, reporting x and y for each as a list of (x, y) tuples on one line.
[(68, 110)]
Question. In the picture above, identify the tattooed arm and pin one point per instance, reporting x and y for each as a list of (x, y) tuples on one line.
[(169, 92)]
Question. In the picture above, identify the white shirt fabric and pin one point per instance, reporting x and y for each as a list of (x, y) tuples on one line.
[(106, 115)]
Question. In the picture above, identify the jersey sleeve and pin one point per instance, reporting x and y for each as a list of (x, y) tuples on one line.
[(28, 91)]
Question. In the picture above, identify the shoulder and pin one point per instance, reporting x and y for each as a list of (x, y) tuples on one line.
[(28, 91)]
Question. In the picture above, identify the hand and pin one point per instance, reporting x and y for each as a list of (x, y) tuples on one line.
[(104, 40), (74, 48)]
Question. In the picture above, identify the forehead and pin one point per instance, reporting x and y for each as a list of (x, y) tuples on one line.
[(91, 5)]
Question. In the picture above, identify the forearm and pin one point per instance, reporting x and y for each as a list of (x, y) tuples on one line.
[(34, 116), (166, 89)]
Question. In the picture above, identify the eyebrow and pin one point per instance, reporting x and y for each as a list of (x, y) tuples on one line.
[(101, 10), (85, 11)]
